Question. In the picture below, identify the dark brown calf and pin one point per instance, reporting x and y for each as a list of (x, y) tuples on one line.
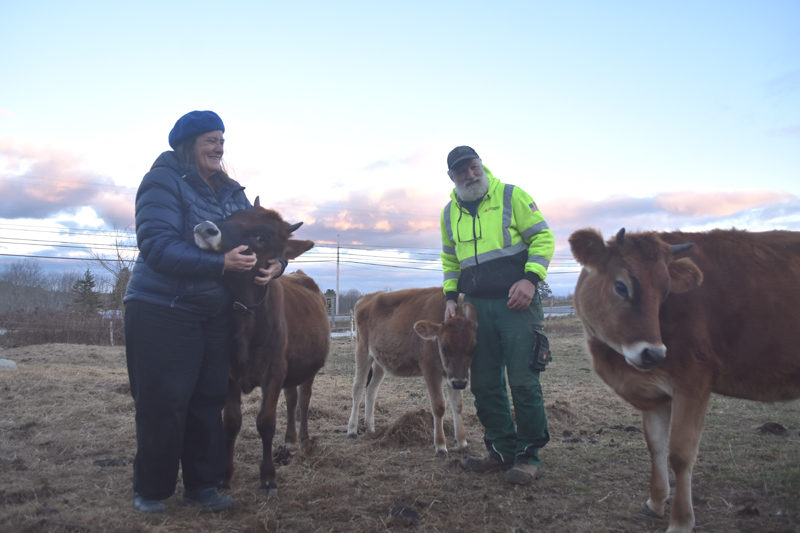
[(668, 323), (394, 330), (281, 336)]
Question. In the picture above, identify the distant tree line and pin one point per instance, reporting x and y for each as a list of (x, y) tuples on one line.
[(75, 307), (81, 307), (25, 287)]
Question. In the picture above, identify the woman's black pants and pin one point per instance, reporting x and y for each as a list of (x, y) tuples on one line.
[(178, 372)]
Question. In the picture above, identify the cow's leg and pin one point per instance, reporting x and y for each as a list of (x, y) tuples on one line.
[(434, 382), (688, 416), (656, 433), (302, 407), (266, 428), (372, 393), (454, 397), (290, 393), (362, 364), (232, 422)]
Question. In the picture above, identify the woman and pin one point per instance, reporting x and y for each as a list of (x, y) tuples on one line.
[(178, 318)]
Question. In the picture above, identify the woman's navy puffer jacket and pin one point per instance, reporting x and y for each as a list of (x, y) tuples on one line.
[(171, 270)]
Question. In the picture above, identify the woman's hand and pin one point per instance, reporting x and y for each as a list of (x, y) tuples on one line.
[(273, 269), (237, 261)]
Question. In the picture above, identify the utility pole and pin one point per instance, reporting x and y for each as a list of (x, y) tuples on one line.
[(337, 273)]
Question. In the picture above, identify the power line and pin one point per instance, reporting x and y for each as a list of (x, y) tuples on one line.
[(60, 230), (62, 257), (434, 267), (409, 254)]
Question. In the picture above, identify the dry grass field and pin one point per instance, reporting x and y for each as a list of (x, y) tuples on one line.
[(67, 443)]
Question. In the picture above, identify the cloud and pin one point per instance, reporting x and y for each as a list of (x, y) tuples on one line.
[(41, 183), (789, 131), (753, 210), (403, 218), (787, 84), (376, 165), (394, 226), (718, 204)]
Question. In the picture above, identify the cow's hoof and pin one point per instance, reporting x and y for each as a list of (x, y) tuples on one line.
[(646, 511), (441, 454), (352, 435), (270, 489)]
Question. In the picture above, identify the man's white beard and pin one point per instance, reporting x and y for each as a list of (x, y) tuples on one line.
[(475, 191)]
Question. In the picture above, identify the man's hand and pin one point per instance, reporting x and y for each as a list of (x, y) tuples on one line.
[(267, 274), (237, 261), (520, 295), (450, 307)]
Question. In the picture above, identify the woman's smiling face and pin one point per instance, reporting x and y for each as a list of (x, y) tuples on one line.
[(207, 151)]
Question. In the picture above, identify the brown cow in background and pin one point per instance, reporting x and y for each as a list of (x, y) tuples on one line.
[(672, 317), (282, 334), (394, 334)]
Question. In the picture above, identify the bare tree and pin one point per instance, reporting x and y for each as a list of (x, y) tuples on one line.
[(348, 299), (25, 273), (23, 286), (119, 265), (62, 282)]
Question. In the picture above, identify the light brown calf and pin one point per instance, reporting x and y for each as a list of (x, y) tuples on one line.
[(394, 334), (668, 323)]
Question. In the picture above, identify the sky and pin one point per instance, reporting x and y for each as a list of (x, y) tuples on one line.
[(681, 115)]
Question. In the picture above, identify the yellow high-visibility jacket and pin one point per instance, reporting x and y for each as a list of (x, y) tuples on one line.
[(507, 240)]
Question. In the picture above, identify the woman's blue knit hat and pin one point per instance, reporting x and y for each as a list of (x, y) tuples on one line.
[(194, 123)]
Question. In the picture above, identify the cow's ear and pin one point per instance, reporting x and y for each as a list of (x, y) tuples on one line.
[(684, 275), (257, 203), (468, 310), (295, 248), (427, 330), (587, 246)]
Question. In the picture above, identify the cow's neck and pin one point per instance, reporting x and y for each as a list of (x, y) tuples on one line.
[(249, 301)]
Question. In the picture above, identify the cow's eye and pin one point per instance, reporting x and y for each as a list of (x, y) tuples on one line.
[(260, 239), (621, 289)]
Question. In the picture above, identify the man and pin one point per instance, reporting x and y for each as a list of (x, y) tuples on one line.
[(496, 246)]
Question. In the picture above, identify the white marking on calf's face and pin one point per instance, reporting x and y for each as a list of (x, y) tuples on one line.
[(644, 355), (207, 236)]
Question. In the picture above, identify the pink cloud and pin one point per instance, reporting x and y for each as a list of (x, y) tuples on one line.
[(40, 182), (717, 203), (392, 218)]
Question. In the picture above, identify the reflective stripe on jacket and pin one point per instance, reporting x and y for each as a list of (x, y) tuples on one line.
[(507, 240)]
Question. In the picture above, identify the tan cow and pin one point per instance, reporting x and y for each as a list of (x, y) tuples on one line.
[(667, 323), (394, 334)]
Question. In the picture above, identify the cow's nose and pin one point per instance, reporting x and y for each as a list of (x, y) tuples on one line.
[(206, 229), (207, 236), (459, 384), (651, 358)]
